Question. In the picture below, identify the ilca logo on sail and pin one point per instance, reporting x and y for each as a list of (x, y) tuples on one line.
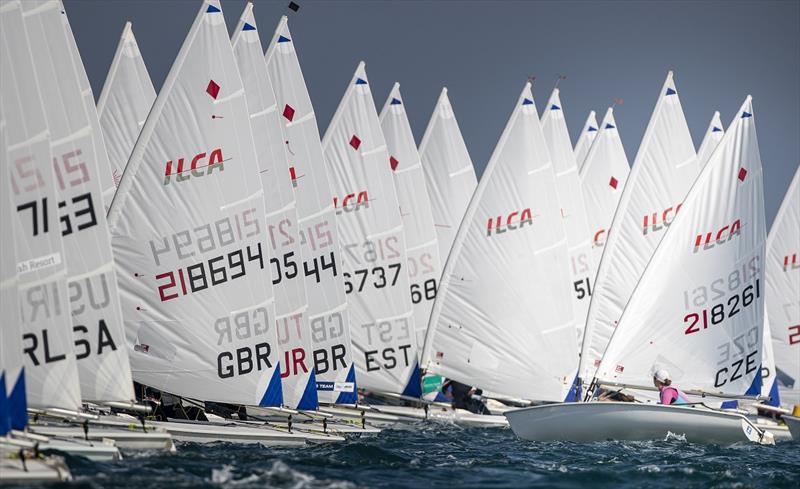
[(513, 221)]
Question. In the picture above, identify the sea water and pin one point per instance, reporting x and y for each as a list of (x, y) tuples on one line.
[(449, 457)]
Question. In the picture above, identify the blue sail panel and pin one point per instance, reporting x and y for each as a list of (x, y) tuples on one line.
[(414, 386), (273, 396), (309, 401), (349, 397)]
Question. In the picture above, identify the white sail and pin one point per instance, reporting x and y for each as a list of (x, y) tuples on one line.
[(374, 246), (783, 292), (664, 169), (585, 140), (449, 174), (770, 389), (123, 105), (319, 236), (712, 138), (45, 330), (287, 260), (13, 401), (11, 369), (80, 163), (422, 248), (187, 227), (603, 176), (502, 319), (582, 267), (698, 309)]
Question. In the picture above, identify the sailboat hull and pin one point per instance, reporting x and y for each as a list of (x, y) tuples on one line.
[(92, 450), (448, 415), (601, 421), (202, 432), (12, 470), (793, 422), (124, 439)]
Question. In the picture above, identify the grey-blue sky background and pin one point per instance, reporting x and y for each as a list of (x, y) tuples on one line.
[(483, 52)]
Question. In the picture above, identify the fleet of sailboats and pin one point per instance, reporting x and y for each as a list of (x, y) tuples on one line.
[(198, 264), (716, 242)]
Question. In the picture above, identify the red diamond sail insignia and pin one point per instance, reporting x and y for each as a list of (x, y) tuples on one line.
[(613, 182), (288, 112), (355, 142), (212, 89), (742, 174), (393, 162)]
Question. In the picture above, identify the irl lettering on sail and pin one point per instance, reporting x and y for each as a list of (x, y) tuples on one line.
[(198, 167), (513, 221)]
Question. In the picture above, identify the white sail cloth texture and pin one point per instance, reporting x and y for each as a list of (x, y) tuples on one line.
[(502, 320), (698, 310), (187, 226), (582, 267), (80, 166), (124, 103), (586, 138), (319, 236), (422, 248), (664, 169), (373, 245), (45, 330), (783, 292), (712, 138), (449, 174), (287, 264), (603, 176)]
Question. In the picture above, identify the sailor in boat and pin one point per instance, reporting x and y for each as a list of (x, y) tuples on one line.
[(463, 396), (668, 394), (618, 396)]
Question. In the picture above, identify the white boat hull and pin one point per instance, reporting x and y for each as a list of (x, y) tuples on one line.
[(601, 421), (370, 416), (97, 451), (793, 423), (199, 432), (133, 439), (14, 471), (445, 414), (312, 421)]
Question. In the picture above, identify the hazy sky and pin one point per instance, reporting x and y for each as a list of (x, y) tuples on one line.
[(483, 52)]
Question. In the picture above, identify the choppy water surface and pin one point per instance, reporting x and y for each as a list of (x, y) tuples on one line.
[(452, 457)]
